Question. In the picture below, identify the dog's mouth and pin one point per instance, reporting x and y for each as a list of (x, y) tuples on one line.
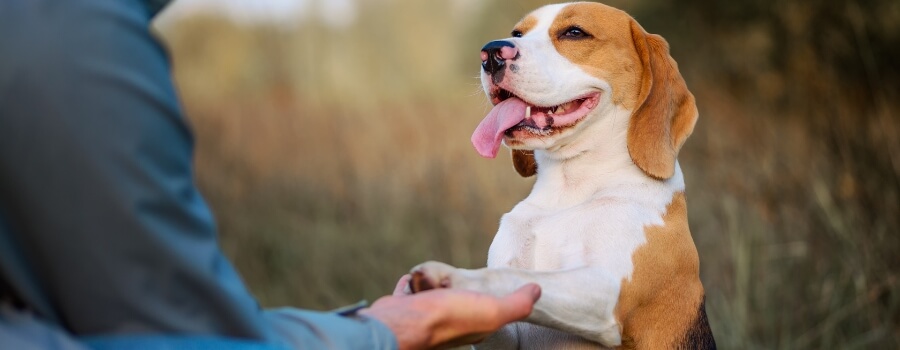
[(514, 117), (542, 121)]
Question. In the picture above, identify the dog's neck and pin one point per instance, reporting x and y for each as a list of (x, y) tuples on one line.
[(592, 161)]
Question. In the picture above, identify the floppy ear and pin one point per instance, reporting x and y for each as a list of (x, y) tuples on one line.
[(523, 161), (666, 113)]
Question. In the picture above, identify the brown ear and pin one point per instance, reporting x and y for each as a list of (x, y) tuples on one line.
[(666, 113), (523, 161)]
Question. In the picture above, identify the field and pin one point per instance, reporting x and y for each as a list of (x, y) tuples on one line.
[(335, 158)]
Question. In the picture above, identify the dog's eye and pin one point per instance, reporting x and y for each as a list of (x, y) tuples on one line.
[(516, 34), (574, 33)]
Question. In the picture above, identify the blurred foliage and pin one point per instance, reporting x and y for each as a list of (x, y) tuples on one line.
[(336, 159)]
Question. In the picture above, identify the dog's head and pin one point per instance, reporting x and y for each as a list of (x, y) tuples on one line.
[(567, 66)]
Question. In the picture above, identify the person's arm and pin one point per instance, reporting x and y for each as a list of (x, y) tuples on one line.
[(102, 229)]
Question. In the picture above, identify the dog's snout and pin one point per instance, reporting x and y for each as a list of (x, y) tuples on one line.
[(495, 54)]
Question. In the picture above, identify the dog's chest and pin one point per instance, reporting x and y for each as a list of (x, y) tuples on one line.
[(542, 239)]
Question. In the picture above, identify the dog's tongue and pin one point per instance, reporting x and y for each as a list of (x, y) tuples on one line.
[(489, 134)]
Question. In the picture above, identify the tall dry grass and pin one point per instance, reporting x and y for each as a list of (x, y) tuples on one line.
[(337, 159)]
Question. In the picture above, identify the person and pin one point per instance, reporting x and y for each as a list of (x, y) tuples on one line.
[(105, 241)]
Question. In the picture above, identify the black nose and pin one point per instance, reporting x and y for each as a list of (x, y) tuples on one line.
[(495, 54)]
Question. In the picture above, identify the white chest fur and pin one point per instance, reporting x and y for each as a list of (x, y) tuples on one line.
[(604, 230)]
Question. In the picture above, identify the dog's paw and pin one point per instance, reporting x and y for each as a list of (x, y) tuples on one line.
[(431, 275)]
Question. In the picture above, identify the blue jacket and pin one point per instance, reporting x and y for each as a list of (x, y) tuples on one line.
[(104, 238)]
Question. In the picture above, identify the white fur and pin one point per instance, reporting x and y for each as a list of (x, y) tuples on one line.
[(576, 232)]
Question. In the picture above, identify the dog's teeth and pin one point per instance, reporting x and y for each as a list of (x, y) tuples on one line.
[(528, 112)]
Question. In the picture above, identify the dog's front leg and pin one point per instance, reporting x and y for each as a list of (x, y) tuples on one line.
[(580, 301)]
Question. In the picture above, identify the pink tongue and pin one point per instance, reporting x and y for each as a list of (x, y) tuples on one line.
[(489, 134)]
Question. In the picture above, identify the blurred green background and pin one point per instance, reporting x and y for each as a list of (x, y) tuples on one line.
[(332, 144)]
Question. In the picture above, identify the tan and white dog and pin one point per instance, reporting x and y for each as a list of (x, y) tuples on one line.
[(598, 109)]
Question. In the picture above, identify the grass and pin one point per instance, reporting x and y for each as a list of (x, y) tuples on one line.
[(336, 159)]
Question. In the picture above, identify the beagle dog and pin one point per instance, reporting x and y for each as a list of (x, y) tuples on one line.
[(596, 107)]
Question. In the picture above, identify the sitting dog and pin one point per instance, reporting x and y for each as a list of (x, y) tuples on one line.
[(596, 107)]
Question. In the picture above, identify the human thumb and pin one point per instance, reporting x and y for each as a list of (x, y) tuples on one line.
[(518, 304)]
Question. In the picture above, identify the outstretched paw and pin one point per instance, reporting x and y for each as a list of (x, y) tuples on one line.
[(431, 275)]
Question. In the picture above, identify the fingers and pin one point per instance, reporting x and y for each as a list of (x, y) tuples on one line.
[(518, 304), (402, 285), (450, 317)]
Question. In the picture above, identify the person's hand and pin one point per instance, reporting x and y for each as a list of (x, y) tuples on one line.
[(442, 318)]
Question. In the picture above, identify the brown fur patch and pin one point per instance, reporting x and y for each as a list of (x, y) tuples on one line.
[(659, 306), (523, 161), (667, 113), (608, 53), (526, 24)]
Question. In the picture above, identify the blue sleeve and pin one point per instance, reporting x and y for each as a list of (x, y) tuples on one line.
[(102, 230)]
